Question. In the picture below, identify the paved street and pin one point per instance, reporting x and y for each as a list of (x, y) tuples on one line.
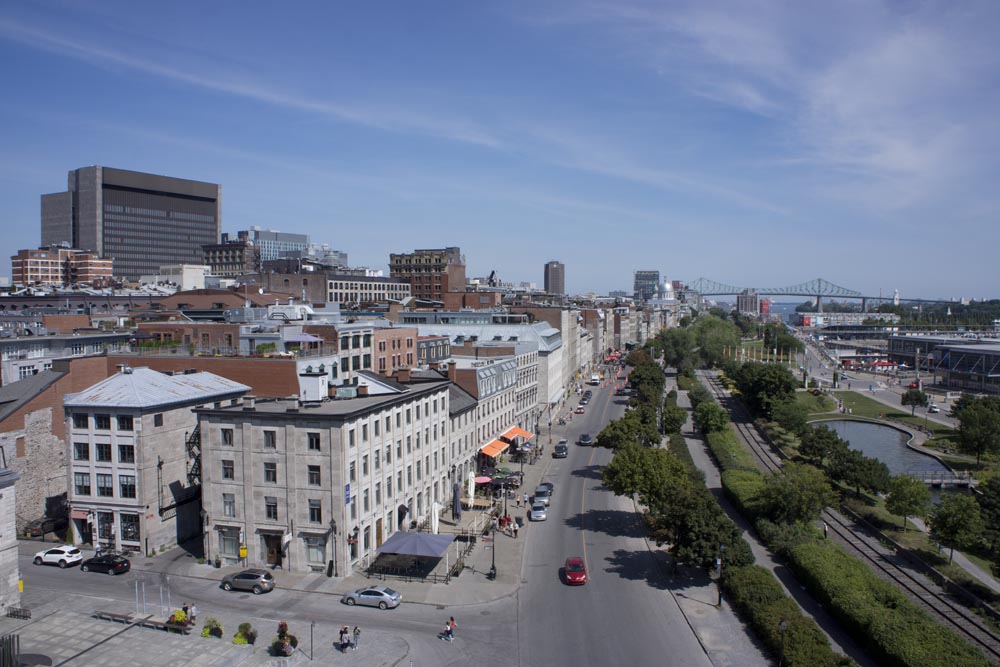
[(630, 611)]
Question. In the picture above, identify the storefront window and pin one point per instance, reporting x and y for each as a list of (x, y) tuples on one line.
[(129, 527), (229, 542), (315, 549), (105, 525)]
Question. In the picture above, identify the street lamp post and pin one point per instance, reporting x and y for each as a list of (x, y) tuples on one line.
[(333, 541), (782, 627), (493, 566), (722, 553)]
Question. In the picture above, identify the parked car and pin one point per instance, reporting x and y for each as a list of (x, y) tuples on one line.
[(563, 441), (933, 407), (547, 485), (40, 527), (586, 440), (258, 581), (110, 564), (63, 556), (575, 571), (560, 452), (580, 410), (373, 596), (538, 512), (542, 496)]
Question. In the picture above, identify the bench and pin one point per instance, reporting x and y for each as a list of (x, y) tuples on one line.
[(114, 616), (163, 625), (19, 612)]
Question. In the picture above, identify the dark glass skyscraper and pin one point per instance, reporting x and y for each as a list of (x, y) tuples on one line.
[(142, 221), (647, 284), (555, 277)]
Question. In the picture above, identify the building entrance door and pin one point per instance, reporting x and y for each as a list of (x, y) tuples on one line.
[(378, 533), (272, 547)]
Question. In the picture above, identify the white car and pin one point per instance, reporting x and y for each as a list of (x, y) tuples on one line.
[(538, 512), (63, 556)]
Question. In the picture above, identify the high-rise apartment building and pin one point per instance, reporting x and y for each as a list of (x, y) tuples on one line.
[(747, 302), (431, 273), (141, 221), (555, 277), (647, 284)]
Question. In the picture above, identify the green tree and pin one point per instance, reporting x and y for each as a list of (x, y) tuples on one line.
[(656, 476), (908, 496), (799, 494), (914, 398), (979, 429), (713, 335), (700, 529), (819, 444), (790, 415), (710, 417), (678, 348), (674, 418), (763, 385), (956, 522), (858, 471), (989, 509)]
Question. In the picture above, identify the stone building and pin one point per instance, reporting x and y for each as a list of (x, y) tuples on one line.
[(311, 485), (135, 456), (10, 571)]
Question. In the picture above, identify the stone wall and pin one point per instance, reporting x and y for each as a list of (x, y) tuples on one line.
[(10, 572), (40, 458)]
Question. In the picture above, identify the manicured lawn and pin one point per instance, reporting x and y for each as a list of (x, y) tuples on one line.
[(815, 405)]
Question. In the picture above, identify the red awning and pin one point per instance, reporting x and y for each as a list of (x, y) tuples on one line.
[(79, 514)]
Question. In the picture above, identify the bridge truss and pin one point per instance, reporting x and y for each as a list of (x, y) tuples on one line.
[(818, 287)]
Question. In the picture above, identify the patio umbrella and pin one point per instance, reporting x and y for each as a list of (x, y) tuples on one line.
[(483, 480), (505, 471)]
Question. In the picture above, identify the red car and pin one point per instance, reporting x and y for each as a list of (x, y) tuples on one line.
[(576, 571), (580, 410)]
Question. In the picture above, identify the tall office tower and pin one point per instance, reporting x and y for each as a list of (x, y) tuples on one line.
[(141, 221), (431, 273), (748, 303), (555, 277), (647, 284)]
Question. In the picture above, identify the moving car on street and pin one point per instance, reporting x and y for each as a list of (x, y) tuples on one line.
[(63, 556), (586, 440), (538, 512), (110, 564), (542, 496), (256, 580), (581, 410), (575, 571), (373, 596), (560, 452)]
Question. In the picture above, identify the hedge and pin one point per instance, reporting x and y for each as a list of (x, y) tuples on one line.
[(728, 451), (742, 487), (894, 630), (760, 600)]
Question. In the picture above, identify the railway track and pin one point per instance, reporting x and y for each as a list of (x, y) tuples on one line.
[(925, 593)]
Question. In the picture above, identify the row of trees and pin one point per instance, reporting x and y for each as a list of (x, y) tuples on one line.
[(680, 511)]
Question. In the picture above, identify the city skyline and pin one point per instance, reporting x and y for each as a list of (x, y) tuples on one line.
[(762, 146)]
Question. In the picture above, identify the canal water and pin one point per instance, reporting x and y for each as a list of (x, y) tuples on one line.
[(884, 443)]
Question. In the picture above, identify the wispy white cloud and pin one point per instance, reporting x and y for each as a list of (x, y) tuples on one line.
[(396, 120), (891, 100)]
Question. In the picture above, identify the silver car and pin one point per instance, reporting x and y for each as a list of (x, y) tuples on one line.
[(538, 512), (373, 596), (258, 581), (542, 496)]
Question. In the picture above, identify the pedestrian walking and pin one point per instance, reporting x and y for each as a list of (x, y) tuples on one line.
[(345, 639), (515, 529), (357, 637), (451, 628), (187, 610), (826, 530), (193, 613), (525, 498)]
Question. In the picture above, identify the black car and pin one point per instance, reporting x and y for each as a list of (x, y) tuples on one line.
[(110, 564), (560, 452), (586, 440)]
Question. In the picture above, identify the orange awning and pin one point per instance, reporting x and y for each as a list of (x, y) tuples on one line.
[(517, 432), (495, 448)]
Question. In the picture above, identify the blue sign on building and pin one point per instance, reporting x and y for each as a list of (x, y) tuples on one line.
[(347, 494)]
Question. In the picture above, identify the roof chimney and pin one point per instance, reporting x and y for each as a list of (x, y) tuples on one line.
[(362, 390), (453, 371), (403, 375)]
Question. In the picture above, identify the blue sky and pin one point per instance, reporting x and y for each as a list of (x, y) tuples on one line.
[(754, 143)]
